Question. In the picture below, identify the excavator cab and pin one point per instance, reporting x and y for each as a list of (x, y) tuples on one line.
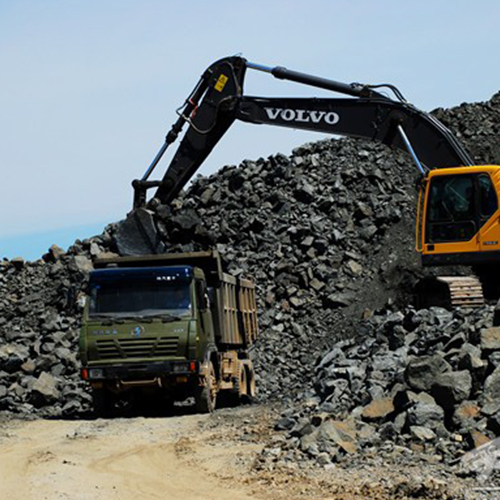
[(460, 217)]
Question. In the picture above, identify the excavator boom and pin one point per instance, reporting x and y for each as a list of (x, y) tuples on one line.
[(218, 100)]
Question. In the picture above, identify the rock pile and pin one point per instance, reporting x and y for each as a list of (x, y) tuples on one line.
[(477, 127), (326, 233), (411, 381), (39, 318)]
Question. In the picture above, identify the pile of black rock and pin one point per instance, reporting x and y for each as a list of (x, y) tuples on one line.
[(410, 382), (326, 232), (40, 309)]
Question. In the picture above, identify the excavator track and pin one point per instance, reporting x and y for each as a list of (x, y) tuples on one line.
[(465, 291), (450, 292)]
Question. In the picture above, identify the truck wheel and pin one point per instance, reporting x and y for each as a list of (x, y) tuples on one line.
[(206, 396), (103, 402)]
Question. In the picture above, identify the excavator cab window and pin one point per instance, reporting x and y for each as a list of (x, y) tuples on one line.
[(458, 206), (451, 209)]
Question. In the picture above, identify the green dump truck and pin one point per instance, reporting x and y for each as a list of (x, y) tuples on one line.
[(171, 325)]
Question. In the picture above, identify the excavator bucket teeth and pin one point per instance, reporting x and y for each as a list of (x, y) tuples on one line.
[(450, 292)]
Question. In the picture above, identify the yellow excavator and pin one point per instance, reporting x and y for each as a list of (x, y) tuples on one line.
[(458, 223), (458, 216)]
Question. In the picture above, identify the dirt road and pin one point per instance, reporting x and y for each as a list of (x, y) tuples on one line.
[(188, 457), (180, 457)]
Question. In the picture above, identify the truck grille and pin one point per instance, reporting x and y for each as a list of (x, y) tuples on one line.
[(137, 348)]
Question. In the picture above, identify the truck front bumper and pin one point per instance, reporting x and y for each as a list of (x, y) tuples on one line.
[(138, 371)]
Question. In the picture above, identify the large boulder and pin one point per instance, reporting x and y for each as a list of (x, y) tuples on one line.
[(490, 339), (421, 372), (491, 393), (44, 390), (451, 388)]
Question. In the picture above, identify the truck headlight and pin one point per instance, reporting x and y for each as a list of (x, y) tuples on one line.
[(180, 368), (96, 373)]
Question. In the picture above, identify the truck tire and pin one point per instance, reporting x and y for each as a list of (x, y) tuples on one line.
[(206, 395), (103, 402)]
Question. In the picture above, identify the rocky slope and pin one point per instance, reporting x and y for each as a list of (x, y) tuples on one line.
[(410, 382)]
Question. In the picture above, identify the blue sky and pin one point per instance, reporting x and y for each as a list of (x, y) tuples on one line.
[(88, 89)]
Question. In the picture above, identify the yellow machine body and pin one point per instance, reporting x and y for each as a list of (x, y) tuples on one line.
[(458, 219)]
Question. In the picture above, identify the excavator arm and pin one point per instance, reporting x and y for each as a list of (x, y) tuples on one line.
[(218, 100)]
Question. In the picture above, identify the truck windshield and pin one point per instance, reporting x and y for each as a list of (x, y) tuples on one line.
[(139, 295)]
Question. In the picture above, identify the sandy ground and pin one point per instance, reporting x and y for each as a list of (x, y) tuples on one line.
[(180, 457), (186, 457)]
